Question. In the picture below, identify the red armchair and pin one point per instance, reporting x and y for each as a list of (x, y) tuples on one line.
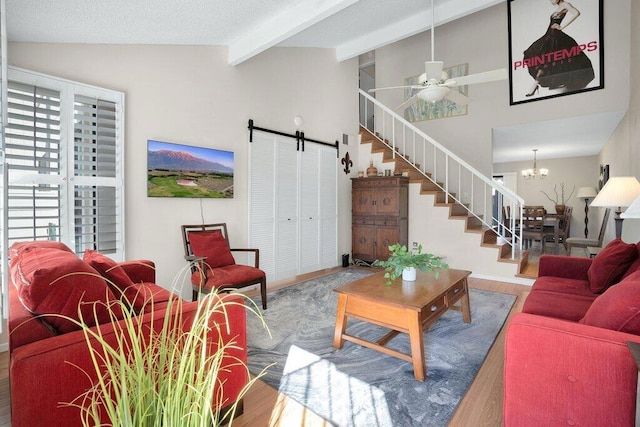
[(206, 246)]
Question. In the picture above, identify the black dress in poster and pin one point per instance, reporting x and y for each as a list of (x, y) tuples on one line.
[(555, 48)]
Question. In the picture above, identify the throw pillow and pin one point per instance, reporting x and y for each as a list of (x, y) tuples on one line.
[(618, 308), (213, 246), (610, 264), (18, 248), (60, 286), (116, 277), (636, 264)]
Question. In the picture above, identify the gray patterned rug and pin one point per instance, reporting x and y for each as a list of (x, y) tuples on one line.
[(357, 386)]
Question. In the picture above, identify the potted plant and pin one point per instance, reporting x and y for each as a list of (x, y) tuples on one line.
[(559, 200), (404, 262)]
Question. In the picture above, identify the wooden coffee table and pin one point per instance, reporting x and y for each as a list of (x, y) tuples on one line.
[(408, 307)]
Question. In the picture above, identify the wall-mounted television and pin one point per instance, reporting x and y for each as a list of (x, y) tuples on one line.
[(177, 170)]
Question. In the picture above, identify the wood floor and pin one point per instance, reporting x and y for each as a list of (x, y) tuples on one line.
[(264, 406)]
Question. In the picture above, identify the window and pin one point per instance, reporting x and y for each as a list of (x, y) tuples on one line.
[(63, 152)]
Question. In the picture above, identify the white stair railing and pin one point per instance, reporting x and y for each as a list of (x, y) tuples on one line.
[(481, 196)]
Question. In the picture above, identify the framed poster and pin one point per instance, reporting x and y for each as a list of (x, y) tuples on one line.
[(421, 110), (555, 48)]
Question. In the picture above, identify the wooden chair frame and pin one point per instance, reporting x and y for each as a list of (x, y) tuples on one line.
[(189, 256)]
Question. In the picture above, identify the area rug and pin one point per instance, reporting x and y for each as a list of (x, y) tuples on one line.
[(357, 386)]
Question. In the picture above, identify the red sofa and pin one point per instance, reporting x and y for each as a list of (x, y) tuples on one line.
[(566, 358), (48, 354)]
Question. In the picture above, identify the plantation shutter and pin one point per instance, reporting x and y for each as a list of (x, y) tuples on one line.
[(64, 161), (96, 188), (33, 161), (4, 306)]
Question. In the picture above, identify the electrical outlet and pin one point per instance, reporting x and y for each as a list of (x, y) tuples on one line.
[(415, 245)]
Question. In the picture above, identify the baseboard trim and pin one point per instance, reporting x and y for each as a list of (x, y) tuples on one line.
[(515, 280)]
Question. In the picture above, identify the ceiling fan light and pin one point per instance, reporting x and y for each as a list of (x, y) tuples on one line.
[(433, 94)]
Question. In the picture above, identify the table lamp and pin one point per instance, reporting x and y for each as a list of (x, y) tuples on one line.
[(586, 193), (633, 211), (619, 192)]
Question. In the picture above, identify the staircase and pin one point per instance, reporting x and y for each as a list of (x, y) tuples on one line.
[(444, 178)]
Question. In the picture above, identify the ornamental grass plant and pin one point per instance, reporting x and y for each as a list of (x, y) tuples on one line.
[(169, 374)]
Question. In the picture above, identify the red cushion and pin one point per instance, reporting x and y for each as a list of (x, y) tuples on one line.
[(213, 246), (618, 308), (142, 295), (636, 264), (18, 248), (228, 275), (558, 305), (117, 278), (562, 285), (52, 281), (610, 264)]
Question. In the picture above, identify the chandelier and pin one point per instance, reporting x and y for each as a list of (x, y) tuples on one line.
[(532, 173)]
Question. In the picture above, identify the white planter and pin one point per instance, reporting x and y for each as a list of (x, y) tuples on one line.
[(409, 274)]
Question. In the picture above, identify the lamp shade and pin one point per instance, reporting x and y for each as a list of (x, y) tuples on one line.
[(586, 193), (619, 191), (633, 211)]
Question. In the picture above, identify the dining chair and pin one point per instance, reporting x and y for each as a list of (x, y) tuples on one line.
[(564, 229), (206, 247), (533, 225), (577, 242)]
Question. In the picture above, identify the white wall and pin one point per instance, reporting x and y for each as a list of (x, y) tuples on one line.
[(190, 95), (622, 152)]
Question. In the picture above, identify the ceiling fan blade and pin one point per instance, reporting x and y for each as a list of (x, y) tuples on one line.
[(433, 70), (457, 97), (408, 102), (487, 76), (394, 87)]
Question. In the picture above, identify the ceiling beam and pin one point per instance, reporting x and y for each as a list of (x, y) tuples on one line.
[(283, 26), (417, 23)]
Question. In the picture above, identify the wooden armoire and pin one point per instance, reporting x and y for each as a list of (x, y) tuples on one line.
[(380, 208)]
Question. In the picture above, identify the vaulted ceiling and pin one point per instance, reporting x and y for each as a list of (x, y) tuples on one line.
[(246, 27)]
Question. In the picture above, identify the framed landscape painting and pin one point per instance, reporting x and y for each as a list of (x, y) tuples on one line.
[(555, 48), (176, 170)]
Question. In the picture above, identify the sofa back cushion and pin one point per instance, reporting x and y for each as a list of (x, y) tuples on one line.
[(618, 308), (636, 264), (52, 282), (610, 264), (116, 277), (213, 246)]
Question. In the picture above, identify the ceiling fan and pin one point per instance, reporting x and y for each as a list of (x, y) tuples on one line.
[(435, 85)]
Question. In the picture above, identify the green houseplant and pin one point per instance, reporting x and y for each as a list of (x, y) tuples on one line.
[(169, 377), (401, 258)]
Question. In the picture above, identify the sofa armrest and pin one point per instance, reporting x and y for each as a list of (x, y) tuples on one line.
[(564, 266), (46, 374), (561, 372), (141, 270)]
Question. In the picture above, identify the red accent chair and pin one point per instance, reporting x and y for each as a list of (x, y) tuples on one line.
[(206, 246)]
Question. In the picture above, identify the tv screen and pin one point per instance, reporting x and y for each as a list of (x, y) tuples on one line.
[(176, 170)]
